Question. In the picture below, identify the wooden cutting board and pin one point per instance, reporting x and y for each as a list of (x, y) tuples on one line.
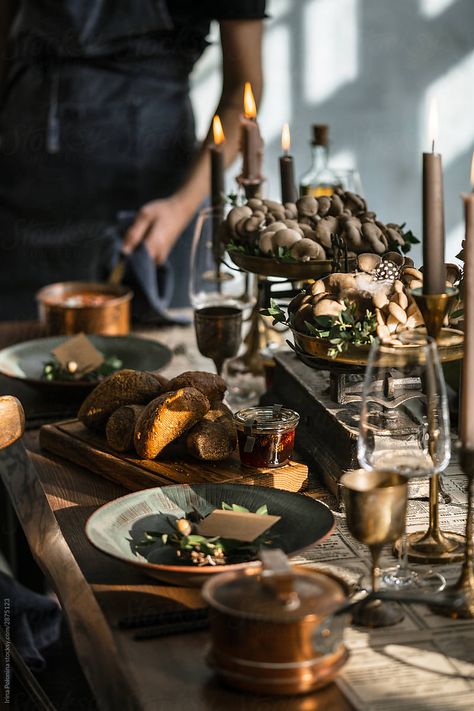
[(74, 442)]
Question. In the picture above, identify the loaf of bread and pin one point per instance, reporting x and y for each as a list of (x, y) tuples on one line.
[(212, 386), (125, 387), (166, 418), (164, 382), (214, 438), (120, 428)]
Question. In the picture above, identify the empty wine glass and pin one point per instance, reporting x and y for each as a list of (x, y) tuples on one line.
[(212, 280), (404, 425)]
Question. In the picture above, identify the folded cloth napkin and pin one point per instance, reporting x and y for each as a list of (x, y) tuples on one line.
[(29, 620), (152, 286)]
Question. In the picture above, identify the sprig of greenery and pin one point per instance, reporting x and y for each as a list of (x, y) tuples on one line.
[(344, 330), (210, 550), (283, 253), (53, 371), (276, 312)]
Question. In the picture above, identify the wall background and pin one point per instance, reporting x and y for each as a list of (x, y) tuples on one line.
[(369, 69)]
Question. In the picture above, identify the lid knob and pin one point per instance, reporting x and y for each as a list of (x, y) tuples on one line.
[(277, 576)]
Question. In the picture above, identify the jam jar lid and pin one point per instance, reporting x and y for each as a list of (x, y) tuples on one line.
[(269, 418)]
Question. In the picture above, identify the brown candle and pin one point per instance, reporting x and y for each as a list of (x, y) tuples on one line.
[(434, 269), (217, 164), (287, 176), (466, 428), (252, 144)]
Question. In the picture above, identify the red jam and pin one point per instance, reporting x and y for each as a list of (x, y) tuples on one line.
[(269, 450), (266, 435)]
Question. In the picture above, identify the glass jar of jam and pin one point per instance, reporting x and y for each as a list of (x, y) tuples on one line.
[(266, 435)]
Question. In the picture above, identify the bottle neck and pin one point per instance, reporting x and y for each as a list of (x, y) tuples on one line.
[(320, 156)]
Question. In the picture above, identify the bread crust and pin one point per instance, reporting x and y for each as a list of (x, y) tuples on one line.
[(214, 438), (211, 385), (125, 387), (120, 428), (166, 418)]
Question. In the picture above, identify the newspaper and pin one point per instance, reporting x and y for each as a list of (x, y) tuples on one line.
[(424, 663)]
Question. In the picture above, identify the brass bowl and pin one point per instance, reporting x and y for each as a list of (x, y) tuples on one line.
[(296, 271), (61, 316), (450, 347)]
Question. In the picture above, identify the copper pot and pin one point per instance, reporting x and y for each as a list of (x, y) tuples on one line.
[(268, 627), (72, 307)]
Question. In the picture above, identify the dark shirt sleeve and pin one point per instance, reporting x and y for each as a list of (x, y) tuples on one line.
[(237, 10)]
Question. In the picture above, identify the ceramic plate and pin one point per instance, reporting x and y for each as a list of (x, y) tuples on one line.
[(119, 526), (24, 361)]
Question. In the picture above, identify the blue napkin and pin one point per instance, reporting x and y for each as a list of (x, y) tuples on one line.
[(152, 285), (32, 621)]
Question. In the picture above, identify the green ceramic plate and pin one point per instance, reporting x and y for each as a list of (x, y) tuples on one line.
[(118, 526), (24, 361)]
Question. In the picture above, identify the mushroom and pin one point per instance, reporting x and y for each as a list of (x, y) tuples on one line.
[(236, 215), (324, 229), (324, 205), (285, 238), (265, 242), (306, 249), (255, 203), (372, 233), (307, 206), (337, 206), (318, 287), (291, 211), (368, 261), (328, 307)]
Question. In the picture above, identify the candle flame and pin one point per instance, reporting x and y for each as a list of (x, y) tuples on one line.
[(285, 138), (250, 108), (433, 123), (472, 170), (217, 130)]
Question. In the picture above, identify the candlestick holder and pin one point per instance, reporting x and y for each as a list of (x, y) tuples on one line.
[(463, 589), (252, 188), (435, 545)]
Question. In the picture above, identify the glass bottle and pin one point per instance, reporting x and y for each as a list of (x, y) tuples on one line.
[(320, 179)]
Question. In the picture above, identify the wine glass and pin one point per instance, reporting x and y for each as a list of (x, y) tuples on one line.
[(213, 281), (404, 425), (375, 504), (218, 332)]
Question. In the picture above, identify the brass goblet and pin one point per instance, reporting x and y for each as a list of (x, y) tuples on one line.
[(218, 332), (376, 505)]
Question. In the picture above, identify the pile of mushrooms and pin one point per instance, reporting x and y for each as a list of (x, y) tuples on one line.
[(305, 227), (381, 285)]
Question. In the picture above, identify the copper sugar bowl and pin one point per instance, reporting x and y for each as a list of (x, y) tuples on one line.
[(268, 627)]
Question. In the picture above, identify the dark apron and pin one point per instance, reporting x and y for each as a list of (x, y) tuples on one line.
[(84, 138)]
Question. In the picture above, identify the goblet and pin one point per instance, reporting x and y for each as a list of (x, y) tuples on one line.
[(404, 424), (375, 504), (218, 332)]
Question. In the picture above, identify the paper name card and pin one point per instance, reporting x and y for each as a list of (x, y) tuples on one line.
[(78, 350), (237, 525)]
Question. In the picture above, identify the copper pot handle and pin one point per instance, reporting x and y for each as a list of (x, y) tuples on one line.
[(277, 576)]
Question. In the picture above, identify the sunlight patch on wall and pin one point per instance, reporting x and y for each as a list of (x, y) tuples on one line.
[(276, 106), (455, 98), (432, 8), (331, 54)]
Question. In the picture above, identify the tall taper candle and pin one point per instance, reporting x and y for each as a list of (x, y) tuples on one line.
[(217, 164), (287, 176), (251, 140), (434, 270), (466, 428)]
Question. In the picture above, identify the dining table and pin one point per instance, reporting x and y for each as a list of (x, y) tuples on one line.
[(53, 500)]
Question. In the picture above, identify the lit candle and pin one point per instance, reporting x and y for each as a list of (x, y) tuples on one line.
[(466, 425), (287, 178), (434, 269), (217, 163), (252, 144)]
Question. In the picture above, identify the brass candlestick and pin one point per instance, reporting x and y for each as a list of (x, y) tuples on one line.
[(376, 505), (435, 545), (463, 589)]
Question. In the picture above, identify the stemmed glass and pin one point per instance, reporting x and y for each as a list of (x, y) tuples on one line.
[(404, 426)]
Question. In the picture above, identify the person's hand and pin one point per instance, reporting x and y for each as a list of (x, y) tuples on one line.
[(158, 224)]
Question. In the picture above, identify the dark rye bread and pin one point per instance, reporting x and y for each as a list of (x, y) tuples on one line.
[(120, 428), (126, 387), (211, 385), (214, 438), (166, 418)]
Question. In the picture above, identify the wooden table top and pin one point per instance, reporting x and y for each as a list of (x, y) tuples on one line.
[(53, 501)]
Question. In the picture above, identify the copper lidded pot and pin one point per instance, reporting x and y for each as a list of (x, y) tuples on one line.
[(268, 627), (70, 307)]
